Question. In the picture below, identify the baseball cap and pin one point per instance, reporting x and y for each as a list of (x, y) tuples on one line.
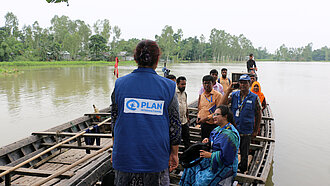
[(244, 77)]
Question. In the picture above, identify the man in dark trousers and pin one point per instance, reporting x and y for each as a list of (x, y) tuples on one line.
[(251, 64), (246, 108)]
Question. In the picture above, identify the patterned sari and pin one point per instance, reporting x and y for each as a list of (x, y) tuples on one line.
[(223, 162)]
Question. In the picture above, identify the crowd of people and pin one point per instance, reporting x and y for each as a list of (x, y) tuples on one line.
[(150, 117)]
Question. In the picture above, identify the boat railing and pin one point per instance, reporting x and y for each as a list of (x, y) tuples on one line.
[(6, 173)]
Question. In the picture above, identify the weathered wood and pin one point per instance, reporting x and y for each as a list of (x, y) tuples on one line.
[(35, 172), (46, 151), (73, 165), (91, 173), (91, 147), (97, 114), (249, 179), (267, 118), (260, 138), (46, 159), (26, 157), (192, 109), (106, 123), (73, 134), (255, 146)]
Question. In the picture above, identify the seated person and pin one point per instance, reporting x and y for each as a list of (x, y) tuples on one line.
[(219, 167), (255, 88)]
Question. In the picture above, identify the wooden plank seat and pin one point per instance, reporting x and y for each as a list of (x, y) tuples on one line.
[(72, 134), (35, 172), (98, 114), (69, 146), (260, 138), (267, 118)]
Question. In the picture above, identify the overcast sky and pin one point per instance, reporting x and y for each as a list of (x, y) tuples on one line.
[(267, 23)]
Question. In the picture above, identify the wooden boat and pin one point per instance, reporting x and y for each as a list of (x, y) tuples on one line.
[(59, 154)]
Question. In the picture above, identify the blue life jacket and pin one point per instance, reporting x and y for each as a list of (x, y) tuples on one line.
[(246, 119), (141, 132)]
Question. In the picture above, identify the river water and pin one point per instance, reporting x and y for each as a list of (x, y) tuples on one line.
[(41, 98)]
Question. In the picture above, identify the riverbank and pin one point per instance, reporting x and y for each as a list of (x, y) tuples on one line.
[(51, 63), (19, 66)]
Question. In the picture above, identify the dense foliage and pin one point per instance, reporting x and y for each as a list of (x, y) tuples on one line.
[(68, 39)]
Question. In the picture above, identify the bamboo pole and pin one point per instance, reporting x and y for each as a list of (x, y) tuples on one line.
[(47, 150), (56, 174)]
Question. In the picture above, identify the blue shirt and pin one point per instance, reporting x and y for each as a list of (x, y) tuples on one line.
[(246, 118)]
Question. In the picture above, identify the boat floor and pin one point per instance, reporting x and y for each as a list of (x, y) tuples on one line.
[(61, 159)]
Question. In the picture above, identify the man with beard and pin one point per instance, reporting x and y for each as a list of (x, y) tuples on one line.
[(183, 110), (223, 80)]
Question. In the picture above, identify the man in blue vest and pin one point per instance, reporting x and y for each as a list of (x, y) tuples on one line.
[(146, 123), (246, 108)]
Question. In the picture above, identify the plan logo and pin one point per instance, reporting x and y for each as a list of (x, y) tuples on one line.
[(132, 104), (143, 106)]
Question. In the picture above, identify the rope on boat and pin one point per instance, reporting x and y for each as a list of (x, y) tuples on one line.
[(49, 149)]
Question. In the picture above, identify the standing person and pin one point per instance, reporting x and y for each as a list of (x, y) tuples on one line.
[(219, 167), (209, 101), (247, 115), (223, 80), (146, 124), (251, 64), (216, 86), (181, 83)]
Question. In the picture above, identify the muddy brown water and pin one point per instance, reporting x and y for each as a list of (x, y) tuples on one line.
[(41, 98)]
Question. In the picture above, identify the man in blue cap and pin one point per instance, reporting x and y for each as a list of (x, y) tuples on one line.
[(247, 115)]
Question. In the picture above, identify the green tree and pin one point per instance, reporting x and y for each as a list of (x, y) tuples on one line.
[(12, 24), (166, 41), (103, 28), (97, 45), (114, 45)]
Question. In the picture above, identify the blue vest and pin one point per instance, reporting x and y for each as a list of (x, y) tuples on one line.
[(141, 132), (246, 119)]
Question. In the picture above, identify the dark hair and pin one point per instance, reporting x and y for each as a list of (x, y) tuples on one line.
[(252, 75), (214, 71), (224, 69), (146, 53), (208, 78), (251, 55), (225, 110), (170, 76), (181, 78)]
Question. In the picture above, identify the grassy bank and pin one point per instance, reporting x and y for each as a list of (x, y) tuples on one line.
[(8, 70), (60, 63)]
